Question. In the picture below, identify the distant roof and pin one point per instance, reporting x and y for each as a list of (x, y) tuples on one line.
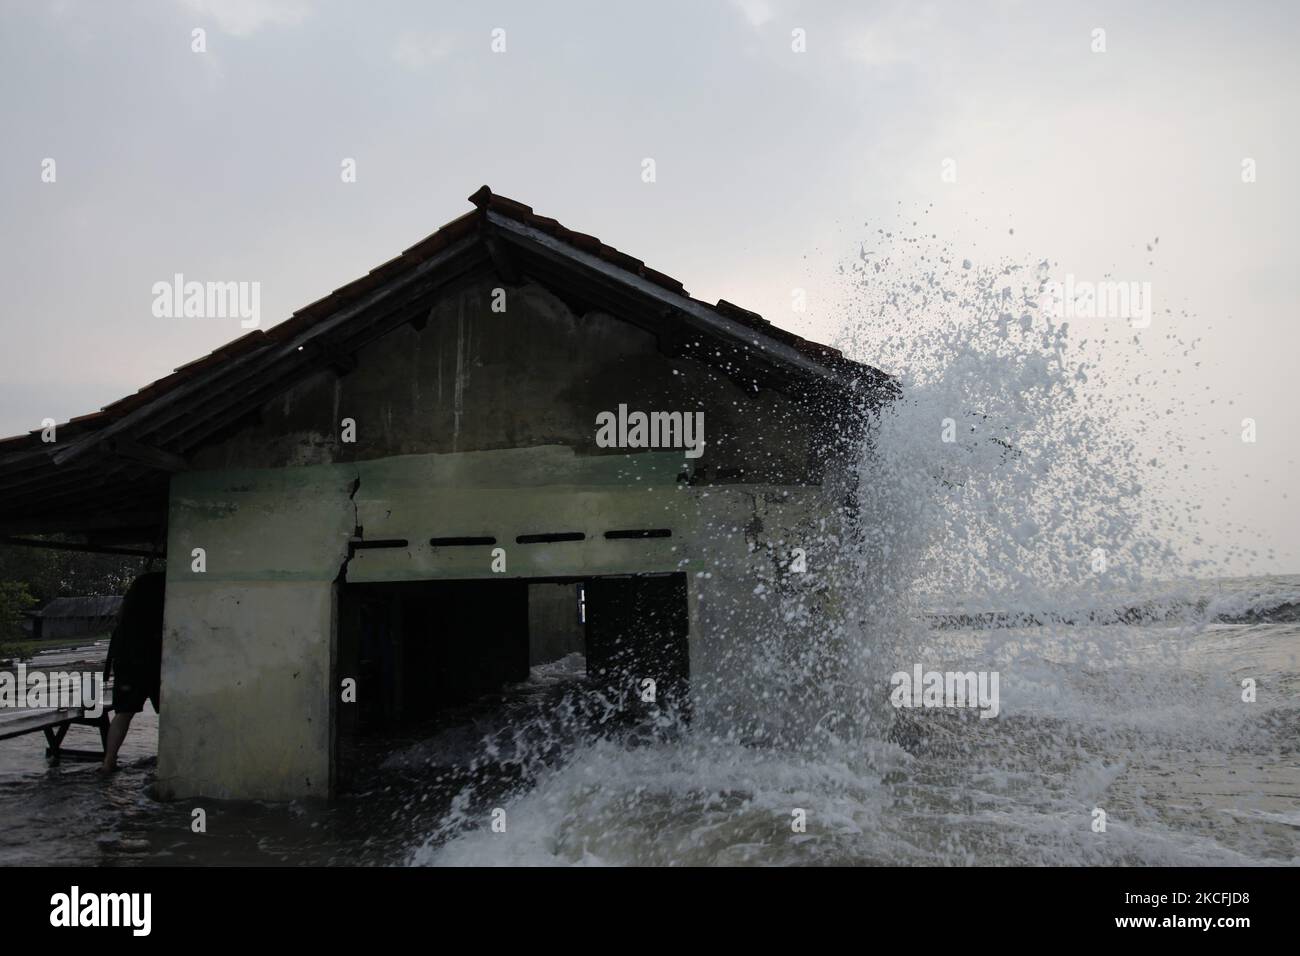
[(92, 606), (109, 470)]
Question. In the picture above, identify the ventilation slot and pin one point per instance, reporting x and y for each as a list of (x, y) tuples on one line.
[(377, 543), (550, 538), (460, 542)]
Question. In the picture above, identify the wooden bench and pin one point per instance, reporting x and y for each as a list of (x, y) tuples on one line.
[(55, 723)]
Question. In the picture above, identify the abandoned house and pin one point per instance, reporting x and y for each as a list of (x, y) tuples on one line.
[(93, 615), (508, 443)]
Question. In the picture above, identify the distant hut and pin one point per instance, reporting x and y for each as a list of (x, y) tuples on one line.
[(76, 616)]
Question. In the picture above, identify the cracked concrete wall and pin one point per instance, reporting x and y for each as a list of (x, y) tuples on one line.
[(763, 631), (482, 424), (247, 639)]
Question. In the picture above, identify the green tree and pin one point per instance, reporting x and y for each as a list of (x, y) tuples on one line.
[(31, 576), (49, 573), (14, 599)]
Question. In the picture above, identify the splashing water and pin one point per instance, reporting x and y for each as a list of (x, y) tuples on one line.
[(1013, 517)]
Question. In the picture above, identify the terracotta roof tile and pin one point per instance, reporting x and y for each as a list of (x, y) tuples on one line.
[(455, 230)]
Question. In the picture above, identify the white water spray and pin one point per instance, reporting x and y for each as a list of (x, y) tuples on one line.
[(1012, 516)]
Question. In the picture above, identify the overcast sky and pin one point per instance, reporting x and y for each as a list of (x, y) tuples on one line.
[(225, 164)]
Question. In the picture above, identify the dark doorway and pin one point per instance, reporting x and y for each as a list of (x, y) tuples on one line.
[(417, 650), (420, 647), (638, 630), (427, 655)]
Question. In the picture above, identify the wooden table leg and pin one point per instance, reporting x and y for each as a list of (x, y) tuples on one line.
[(54, 740)]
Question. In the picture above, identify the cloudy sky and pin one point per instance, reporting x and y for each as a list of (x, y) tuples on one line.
[(225, 164)]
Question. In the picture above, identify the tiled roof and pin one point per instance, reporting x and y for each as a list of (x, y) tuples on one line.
[(461, 228), (101, 605), (109, 472)]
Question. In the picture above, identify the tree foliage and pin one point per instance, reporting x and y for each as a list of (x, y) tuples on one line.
[(14, 599), (49, 574)]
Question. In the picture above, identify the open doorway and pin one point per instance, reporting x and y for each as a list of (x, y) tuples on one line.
[(637, 629), (424, 654)]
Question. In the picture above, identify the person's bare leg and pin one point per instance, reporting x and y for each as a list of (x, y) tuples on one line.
[(116, 734)]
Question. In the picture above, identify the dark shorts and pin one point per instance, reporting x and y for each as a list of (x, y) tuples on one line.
[(129, 695)]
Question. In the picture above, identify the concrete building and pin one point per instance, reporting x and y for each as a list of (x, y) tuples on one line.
[(411, 483)]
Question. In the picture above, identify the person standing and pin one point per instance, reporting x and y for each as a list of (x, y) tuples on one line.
[(135, 658)]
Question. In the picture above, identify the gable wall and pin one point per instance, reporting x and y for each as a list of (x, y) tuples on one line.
[(536, 374)]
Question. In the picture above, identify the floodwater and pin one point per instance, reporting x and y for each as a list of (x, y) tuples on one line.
[(1144, 722), (1015, 503)]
